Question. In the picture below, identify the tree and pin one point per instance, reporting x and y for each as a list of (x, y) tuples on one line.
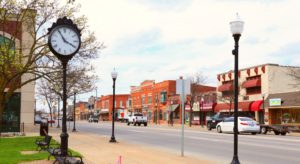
[(31, 57), (196, 81)]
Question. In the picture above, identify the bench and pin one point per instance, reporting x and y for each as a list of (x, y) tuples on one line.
[(55, 150), (43, 144), (68, 160)]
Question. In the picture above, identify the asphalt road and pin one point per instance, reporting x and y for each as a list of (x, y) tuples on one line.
[(258, 149)]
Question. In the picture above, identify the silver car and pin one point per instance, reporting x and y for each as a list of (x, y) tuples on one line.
[(245, 125)]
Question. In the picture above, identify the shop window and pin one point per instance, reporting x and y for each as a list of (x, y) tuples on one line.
[(11, 114)]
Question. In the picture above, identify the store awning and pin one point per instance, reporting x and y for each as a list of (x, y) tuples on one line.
[(104, 111), (172, 107), (252, 83), (225, 107), (225, 87), (255, 106)]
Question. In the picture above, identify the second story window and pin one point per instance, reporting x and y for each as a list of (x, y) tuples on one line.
[(252, 85), (163, 97), (143, 100), (149, 99)]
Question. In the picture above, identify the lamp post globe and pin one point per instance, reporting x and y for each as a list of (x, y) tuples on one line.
[(236, 27), (114, 76)]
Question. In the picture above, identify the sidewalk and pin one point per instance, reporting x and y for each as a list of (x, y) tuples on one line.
[(97, 149)]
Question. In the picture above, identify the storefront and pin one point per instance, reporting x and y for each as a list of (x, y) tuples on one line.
[(104, 114), (284, 108)]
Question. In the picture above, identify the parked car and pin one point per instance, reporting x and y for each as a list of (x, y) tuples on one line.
[(214, 120), (137, 119), (70, 118), (94, 118), (245, 125)]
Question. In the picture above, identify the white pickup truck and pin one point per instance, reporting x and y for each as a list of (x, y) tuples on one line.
[(137, 119)]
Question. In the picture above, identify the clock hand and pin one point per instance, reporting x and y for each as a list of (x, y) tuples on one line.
[(62, 36), (70, 44)]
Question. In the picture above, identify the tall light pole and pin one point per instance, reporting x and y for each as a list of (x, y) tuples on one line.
[(202, 103), (58, 126), (262, 118), (236, 27), (114, 75), (74, 117)]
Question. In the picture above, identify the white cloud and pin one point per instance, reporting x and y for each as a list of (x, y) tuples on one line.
[(160, 41)]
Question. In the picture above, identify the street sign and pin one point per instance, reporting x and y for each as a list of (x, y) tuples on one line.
[(186, 86)]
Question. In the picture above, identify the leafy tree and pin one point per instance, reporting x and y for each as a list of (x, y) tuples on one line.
[(25, 59)]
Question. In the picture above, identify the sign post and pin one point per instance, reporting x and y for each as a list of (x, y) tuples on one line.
[(183, 87)]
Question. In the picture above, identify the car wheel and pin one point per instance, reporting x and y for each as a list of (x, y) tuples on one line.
[(208, 126), (276, 132), (139, 124), (128, 123), (219, 130), (134, 124), (253, 133), (145, 124), (283, 133), (263, 130)]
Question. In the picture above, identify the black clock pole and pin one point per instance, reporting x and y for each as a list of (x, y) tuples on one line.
[(64, 135), (64, 58)]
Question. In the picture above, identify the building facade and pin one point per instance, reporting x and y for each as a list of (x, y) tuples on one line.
[(20, 108), (259, 87)]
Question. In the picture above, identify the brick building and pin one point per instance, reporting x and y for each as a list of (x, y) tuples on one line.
[(161, 104), (105, 104)]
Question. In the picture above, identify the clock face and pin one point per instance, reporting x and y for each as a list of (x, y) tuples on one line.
[(64, 40)]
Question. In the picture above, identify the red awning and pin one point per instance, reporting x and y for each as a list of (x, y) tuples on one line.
[(252, 83), (225, 87), (225, 107), (255, 106)]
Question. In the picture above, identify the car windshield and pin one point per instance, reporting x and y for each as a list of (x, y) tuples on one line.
[(245, 119)]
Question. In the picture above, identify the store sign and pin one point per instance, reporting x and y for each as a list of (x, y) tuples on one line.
[(275, 102)]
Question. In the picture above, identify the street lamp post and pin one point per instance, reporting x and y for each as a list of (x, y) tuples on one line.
[(74, 117), (262, 118), (202, 103), (114, 75), (236, 27), (58, 126)]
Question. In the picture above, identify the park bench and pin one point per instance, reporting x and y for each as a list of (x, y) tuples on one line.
[(68, 160), (55, 150), (43, 143)]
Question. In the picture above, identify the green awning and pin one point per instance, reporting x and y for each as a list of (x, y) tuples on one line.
[(172, 107)]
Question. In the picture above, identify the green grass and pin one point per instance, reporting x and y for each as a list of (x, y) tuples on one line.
[(10, 150)]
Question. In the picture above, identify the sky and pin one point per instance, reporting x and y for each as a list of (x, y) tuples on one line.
[(164, 39)]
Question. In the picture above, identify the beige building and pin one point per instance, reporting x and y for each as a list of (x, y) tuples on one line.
[(19, 113), (259, 87)]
